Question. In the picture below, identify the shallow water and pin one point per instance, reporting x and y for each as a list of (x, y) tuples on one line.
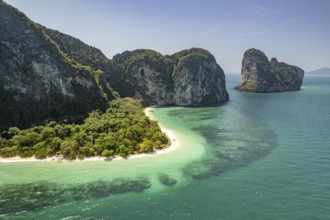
[(260, 156)]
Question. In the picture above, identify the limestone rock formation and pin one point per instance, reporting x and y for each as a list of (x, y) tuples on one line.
[(143, 74), (198, 79), (187, 78), (260, 75), (37, 80), (48, 74), (78, 50)]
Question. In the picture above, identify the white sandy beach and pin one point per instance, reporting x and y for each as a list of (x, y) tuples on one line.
[(174, 145)]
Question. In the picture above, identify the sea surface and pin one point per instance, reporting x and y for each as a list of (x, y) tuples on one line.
[(259, 156)]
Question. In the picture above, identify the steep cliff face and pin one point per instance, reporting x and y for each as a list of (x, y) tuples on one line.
[(83, 56), (260, 75), (198, 79), (290, 77), (143, 74), (48, 74), (36, 79), (188, 78), (78, 50)]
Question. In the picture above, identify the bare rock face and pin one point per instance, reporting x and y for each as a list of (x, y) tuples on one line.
[(188, 78), (36, 80), (260, 75), (143, 74), (198, 79)]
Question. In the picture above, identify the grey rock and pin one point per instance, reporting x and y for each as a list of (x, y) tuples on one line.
[(187, 78), (261, 75), (36, 80)]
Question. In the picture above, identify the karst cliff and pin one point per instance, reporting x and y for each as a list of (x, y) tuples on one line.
[(261, 75), (47, 74)]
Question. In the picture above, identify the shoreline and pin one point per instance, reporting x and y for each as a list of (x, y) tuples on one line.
[(174, 145)]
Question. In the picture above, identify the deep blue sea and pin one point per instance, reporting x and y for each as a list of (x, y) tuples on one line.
[(259, 156)]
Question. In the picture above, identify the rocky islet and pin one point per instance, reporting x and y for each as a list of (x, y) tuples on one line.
[(261, 75)]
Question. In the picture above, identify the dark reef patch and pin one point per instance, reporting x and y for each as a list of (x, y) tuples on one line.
[(166, 179), (231, 149), (233, 141), (25, 197)]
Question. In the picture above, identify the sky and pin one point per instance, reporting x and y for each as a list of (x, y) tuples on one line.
[(294, 31)]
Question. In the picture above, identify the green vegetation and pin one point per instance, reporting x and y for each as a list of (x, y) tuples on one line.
[(249, 85), (84, 64), (62, 76), (77, 50), (152, 58), (189, 57), (129, 66), (196, 51), (129, 59), (122, 130)]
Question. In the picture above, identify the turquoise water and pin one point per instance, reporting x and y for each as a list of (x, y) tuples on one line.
[(260, 156)]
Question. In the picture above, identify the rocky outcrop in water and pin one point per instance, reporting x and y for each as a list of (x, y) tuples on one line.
[(261, 75), (187, 78)]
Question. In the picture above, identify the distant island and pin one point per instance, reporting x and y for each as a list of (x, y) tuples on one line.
[(261, 75), (323, 71)]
